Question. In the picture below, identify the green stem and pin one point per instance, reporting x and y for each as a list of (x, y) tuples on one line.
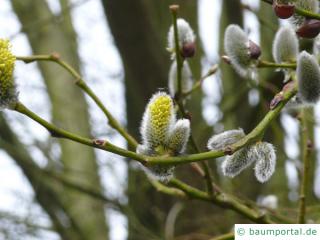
[(306, 167), (266, 64), (174, 10), (58, 132), (81, 83), (198, 84)]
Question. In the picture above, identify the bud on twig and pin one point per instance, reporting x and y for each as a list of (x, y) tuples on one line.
[(309, 29), (241, 51), (186, 39), (283, 11), (308, 5)]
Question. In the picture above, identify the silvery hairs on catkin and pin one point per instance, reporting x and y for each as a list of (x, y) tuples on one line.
[(308, 75), (266, 161), (285, 45), (236, 45), (224, 139), (185, 33), (158, 119), (186, 78)]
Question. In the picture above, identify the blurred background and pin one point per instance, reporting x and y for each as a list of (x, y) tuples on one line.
[(54, 189)]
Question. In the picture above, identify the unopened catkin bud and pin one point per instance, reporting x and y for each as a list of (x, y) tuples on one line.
[(158, 120), (308, 75), (224, 139), (179, 136), (240, 49), (8, 94), (186, 78), (308, 5), (283, 9), (237, 162), (266, 161), (186, 39), (285, 45)]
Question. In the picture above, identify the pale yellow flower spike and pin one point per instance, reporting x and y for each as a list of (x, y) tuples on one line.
[(8, 94)]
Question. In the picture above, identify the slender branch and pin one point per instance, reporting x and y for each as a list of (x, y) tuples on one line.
[(306, 166), (58, 132), (174, 11), (222, 200), (266, 64), (198, 84), (253, 136), (82, 84)]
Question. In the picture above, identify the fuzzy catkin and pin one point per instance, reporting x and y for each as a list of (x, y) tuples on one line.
[(266, 161), (285, 45), (185, 33), (8, 94), (236, 45), (237, 162), (158, 120), (224, 139), (179, 136), (308, 75), (186, 78)]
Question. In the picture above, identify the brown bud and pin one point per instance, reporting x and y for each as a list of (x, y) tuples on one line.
[(98, 142), (283, 11), (254, 49), (309, 29), (276, 100), (188, 50)]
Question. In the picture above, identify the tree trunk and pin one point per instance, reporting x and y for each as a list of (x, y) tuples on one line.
[(69, 110)]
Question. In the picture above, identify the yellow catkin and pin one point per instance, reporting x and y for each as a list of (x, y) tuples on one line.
[(7, 62), (160, 116)]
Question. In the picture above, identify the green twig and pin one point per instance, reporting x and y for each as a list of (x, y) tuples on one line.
[(81, 83), (174, 10), (198, 84), (266, 64), (306, 166), (61, 133)]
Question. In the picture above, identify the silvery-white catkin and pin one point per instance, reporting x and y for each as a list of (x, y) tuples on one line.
[(185, 34), (237, 162), (179, 136), (236, 45), (186, 78), (285, 45), (224, 139), (266, 161), (308, 75)]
